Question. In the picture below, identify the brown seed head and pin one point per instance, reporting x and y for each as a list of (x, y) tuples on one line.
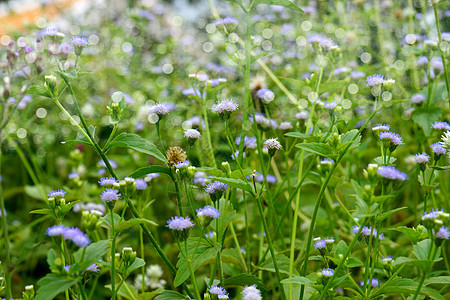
[(175, 155)]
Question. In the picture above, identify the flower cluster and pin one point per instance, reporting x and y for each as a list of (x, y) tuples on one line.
[(251, 293), (69, 233), (366, 231), (390, 172), (218, 291)]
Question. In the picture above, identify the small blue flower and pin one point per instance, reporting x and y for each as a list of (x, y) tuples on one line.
[(208, 211), (180, 223), (141, 184), (219, 291), (56, 194), (375, 80), (110, 195), (327, 272), (216, 187), (107, 181), (437, 149), (392, 173), (330, 105), (393, 138), (181, 164), (443, 233), (320, 244), (422, 158), (79, 41), (441, 126)]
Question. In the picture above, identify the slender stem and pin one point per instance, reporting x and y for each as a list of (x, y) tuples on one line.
[(438, 27), (209, 149), (236, 241), (5, 230), (159, 137), (320, 196), (191, 270), (343, 259), (247, 95), (130, 205), (111, 136), (269, 241), (113, 255)]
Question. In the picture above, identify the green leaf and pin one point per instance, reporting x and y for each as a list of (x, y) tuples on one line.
[(106, 220), (92, 255), (123, 225), (236, 183), (425, 118), (341, 248), (39, 90), (126, 291), (170, 295), (283, 264), (301, 135), (346, 139), (151, 169), (403, 285), (81, 139), (321, 149), (379, 160), (438, 280), (227, 215), (297, 280), (412, 234), (202, 253), (243, 280), (285, 3), (135, 142), (51, 257), (52, 285), (42, 211), (138, 262)]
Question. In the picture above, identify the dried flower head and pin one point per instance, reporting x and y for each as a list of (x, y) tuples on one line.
[(175, 155)]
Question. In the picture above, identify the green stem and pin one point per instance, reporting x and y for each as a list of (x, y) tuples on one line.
[(269, 241), (5, 231), (191, 270), (209, 149), (343, 259), (159, 136), (320, 196), (113, 255), (130, 205), (247, 95), (438, 27)]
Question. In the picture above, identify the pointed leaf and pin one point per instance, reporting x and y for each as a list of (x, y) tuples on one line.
[(135, 142)]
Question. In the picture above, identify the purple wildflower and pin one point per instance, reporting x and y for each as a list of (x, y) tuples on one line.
[(208, 211), (79, 41), (110, 195), (215, 187), (56, 194), (393, 138), (180, 223), (249, 142), (421, 158), (441, 126), (374, 80), (437, 149), (327, 272), (392, 173), (140, 184)]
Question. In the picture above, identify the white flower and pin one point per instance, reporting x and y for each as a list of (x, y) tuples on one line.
[(272, 144), (192, 134)]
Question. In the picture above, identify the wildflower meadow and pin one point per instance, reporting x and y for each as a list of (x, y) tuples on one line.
[(240, 149)]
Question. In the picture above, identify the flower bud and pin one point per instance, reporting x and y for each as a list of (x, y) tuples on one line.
[(50, 83)]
